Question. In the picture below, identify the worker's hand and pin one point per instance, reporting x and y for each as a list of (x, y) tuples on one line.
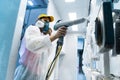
[(61, 32)]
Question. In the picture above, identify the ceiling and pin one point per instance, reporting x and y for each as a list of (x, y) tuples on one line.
[(80, 7)]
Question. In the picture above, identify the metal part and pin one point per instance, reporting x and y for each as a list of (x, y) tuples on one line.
[(115, 14), (104, 32)]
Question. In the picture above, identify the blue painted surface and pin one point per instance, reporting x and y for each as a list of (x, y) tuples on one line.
[(81, 77), (34, 13), (80, 44), (8, 16)]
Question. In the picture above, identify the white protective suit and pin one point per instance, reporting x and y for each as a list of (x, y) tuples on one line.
[(34, 53)]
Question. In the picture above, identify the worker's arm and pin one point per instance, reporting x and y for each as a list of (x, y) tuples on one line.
[(34, 40)]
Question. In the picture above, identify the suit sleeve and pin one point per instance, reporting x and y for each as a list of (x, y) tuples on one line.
[(34, 40)]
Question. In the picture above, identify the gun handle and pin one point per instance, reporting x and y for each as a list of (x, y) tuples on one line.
[(60, 40)]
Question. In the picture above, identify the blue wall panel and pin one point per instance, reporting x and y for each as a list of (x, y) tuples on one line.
[(8, 16)]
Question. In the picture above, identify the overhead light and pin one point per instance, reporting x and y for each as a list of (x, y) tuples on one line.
[(30, 3), (75, 27), (69, 0), (73, 16)]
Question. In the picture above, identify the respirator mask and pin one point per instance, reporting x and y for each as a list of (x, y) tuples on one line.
[(43, 25), (39, 24)]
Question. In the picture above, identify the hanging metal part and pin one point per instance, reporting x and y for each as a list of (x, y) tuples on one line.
[(116, 20), (98, 32), (104, 33), (117, 37), (115, 14)]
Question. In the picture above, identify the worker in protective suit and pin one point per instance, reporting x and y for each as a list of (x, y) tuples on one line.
[(35, 49)]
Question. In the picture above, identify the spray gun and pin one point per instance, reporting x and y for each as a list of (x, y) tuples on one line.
[(67, 24)]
